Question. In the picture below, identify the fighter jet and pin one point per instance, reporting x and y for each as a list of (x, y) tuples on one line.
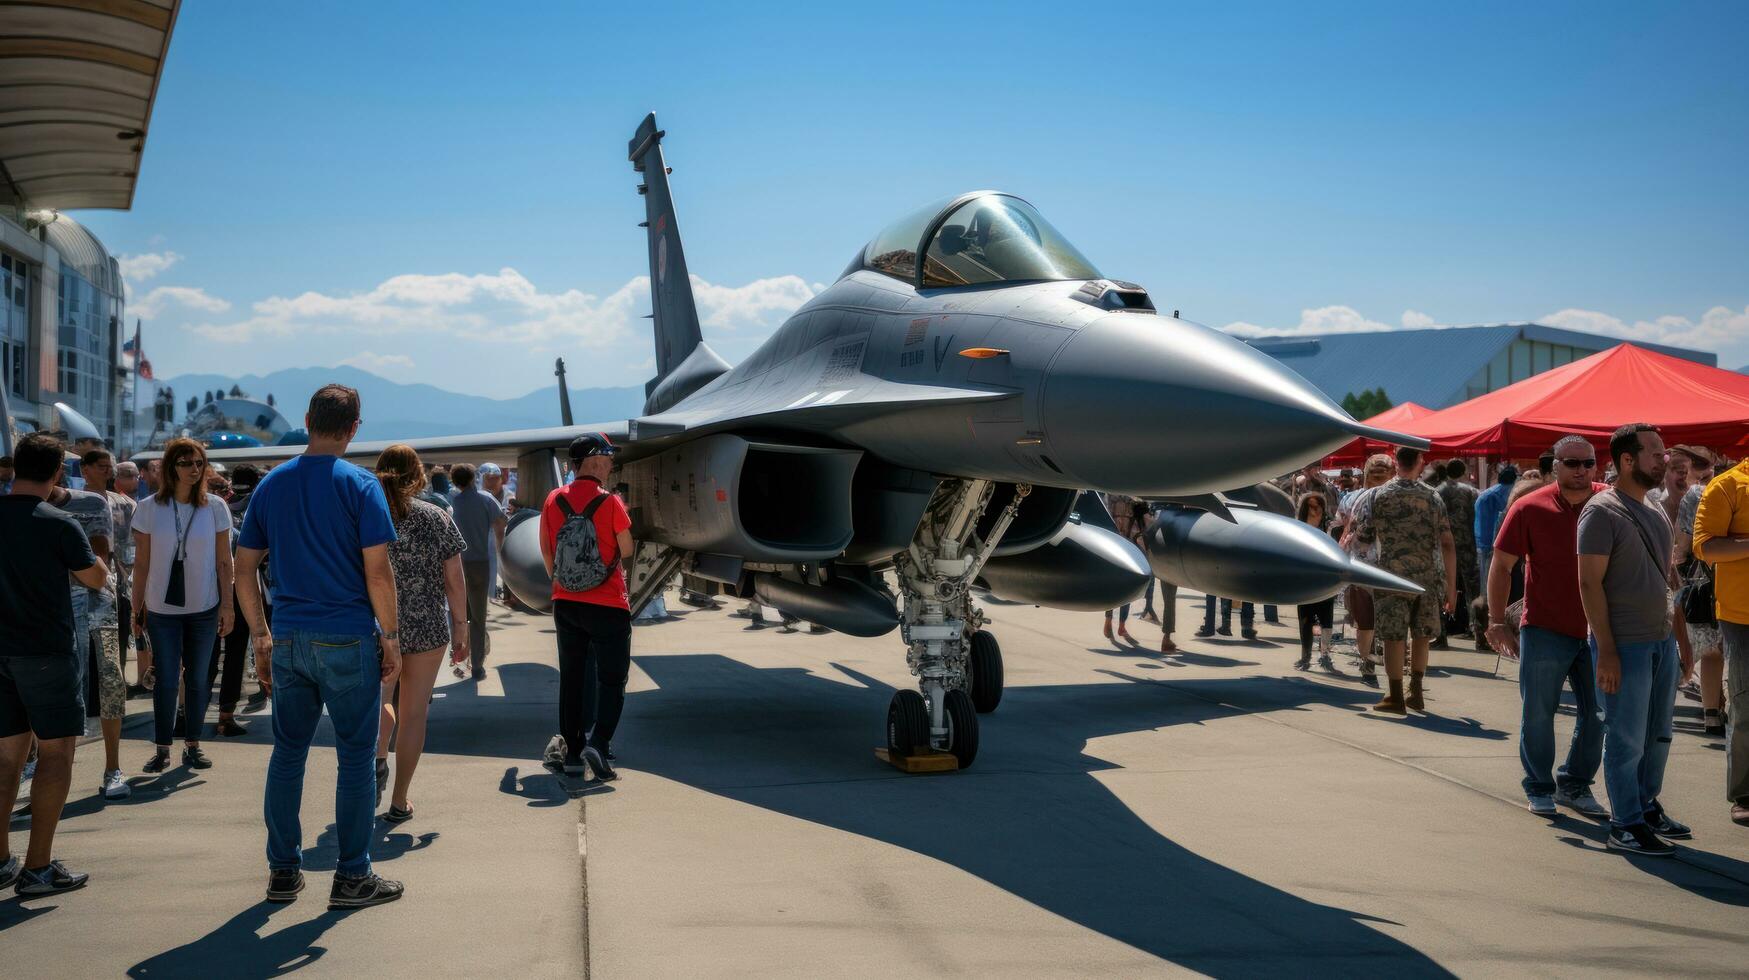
[(935, 415)]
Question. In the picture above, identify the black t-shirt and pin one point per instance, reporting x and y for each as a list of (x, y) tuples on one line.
[(42, 544)]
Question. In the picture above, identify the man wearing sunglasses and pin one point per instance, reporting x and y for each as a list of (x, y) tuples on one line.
[(1542, 530)]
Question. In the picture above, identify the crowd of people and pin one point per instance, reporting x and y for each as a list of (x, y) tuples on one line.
[(1625, 581), (343, 588)]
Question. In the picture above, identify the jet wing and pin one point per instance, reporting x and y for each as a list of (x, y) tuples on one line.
[(820, 407), (496, 447)]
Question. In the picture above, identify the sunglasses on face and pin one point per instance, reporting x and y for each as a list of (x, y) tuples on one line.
[(183, 464), (1579, 464)]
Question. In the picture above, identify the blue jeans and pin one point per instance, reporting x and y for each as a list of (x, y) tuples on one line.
[(182, 648), (1638, 722), (342, 671), (1546, 659), (81, 634)]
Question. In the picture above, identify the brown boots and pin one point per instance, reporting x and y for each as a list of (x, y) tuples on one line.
[(1393, 702), (1396, 704)]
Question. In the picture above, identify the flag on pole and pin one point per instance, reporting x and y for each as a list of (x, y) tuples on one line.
[(133, 350)]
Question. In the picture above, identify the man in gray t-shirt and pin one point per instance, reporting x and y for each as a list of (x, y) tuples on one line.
[(481, 520), (1624, 575)]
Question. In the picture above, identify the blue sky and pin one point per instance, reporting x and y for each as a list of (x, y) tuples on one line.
[(439, 192)]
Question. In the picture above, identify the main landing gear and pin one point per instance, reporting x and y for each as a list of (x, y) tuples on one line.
[(958, 664)]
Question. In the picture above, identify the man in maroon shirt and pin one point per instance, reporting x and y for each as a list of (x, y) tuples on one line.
[(1542, 530), (594, 625)]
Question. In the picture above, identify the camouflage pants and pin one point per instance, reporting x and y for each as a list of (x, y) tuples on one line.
[(112, 690), (105, 648), (1397, 614)]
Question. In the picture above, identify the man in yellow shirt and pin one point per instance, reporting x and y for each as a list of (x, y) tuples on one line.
[(1721, 537)]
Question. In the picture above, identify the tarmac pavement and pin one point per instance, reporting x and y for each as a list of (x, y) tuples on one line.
[(1129, 814)]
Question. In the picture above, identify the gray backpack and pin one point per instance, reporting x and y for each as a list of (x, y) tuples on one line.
[(577, 564)]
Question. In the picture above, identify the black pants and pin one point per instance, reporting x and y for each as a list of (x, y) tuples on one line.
[(595, 655), (234, 651), (1320, 613)]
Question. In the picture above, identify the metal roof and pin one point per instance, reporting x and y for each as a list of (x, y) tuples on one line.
[(80, 249), (1430, 366), (77, 80)]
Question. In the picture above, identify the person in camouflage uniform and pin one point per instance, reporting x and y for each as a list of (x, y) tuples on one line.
[(1460, 510), (1408, 520)]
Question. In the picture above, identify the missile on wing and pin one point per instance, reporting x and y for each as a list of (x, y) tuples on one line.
[(1082, 567), (1257, 557)]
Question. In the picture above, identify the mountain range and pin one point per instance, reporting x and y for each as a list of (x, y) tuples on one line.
[(393, 410)]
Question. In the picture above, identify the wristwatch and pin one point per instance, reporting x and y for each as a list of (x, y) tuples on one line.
[(391, 635)]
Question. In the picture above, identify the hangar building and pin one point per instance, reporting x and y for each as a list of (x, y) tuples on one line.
[(1442, 366)]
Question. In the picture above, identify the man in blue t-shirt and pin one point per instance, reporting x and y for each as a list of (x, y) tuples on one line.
[(328, 527)]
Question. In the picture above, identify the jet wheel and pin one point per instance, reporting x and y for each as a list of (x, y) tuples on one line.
[(986, 670), (962, 727), (907, 724)]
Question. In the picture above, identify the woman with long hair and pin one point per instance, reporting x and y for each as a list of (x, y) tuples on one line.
[(182, 585), (1321, 614), (426, 556)]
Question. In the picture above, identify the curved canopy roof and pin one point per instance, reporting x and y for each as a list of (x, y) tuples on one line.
[(973, 239), (81, 250), (77, 80)]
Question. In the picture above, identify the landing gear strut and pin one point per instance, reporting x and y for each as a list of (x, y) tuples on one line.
[(941, 627)]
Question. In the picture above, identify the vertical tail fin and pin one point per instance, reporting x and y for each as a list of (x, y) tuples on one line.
[(676, 316)]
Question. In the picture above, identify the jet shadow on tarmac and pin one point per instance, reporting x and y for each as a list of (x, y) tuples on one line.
[(1033, 821)]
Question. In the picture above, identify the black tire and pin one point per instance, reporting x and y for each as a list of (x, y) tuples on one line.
[(962, 728), (985, 662), (907, 724)]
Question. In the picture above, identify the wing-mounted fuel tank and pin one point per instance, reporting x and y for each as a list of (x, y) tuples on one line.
[(520, 561), (1258, 557), (1079, 565), (758, 501)]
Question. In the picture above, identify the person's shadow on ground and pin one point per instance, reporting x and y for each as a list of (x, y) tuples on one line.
[(322, 855), (238, 950), (546, 789)]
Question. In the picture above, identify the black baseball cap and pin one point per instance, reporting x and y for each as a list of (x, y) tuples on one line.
[(592, 444)]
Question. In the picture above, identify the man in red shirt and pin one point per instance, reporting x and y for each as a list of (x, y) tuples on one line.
[(594, 625), (1542, 530)]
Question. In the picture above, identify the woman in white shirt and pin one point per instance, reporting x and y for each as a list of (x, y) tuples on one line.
[(182, 590)]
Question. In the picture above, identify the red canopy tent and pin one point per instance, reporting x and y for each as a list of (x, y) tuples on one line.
[(1689, 403), (1391, 418)]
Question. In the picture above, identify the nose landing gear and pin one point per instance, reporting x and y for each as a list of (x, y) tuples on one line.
[(958, 665)]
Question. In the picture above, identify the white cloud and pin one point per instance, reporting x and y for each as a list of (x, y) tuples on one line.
[(139, 268), (1718, 328), (155, 303), (502, 306), (378, 363), (1322, 320), (755, 304), (1415, 319)]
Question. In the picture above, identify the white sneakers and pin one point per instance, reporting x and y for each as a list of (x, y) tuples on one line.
[(115, 787)]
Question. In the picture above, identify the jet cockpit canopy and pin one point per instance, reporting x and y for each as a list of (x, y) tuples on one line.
[(973, 239)]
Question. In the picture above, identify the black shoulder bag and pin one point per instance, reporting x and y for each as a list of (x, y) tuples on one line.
[(1695, 599), (175, 589)]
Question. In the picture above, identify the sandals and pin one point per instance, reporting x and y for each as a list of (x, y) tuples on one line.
[(398, 814)]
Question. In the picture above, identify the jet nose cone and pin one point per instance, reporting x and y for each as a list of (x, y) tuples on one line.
[(1156, 406)]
